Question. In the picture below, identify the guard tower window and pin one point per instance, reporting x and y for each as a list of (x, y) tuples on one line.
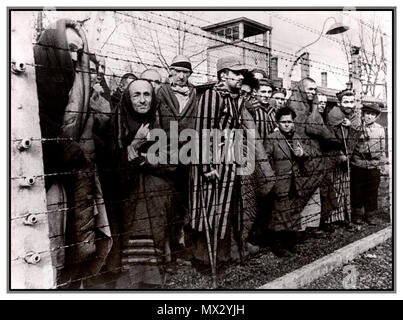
[(235, 33), (229, 33)]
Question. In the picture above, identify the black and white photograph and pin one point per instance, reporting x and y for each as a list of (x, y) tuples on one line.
[(201, 149)]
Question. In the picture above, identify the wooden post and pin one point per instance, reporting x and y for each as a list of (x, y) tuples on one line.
[(355, 76), (31, 265), (241, 31)]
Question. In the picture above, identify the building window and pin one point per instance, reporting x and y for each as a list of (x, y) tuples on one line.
[(235, 33), (229, 33)]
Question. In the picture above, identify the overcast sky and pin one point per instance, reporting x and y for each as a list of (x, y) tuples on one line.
[(291, 31)]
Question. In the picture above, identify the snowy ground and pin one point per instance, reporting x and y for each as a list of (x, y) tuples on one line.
[(371, 270), (265, 267)]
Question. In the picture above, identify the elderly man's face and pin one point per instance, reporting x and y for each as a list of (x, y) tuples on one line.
[(233, 80), (279, 98), (180, 77), (348, 104), (322, 101), (141, 96), (263, 94), (310, 89)]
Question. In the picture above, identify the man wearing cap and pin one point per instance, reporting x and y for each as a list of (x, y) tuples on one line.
[(262, 112), (177, 107), (177, 99), (278, 97), (218, 191), (259, 74), (343, 121), (367, 163)]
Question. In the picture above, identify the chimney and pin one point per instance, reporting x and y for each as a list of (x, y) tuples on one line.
[(305, 65), (324, 79), (274, 68)]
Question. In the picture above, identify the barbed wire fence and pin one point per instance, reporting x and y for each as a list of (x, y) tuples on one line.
[(138, 41)]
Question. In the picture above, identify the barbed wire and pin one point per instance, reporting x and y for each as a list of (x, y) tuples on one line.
[(226, 42), (217, 39), (301, 221), (317, 32), (133, 195), (169, 165), (289, 20), (171, 190), (312, 30), (150, 65), (345, 74), (179, 222), (153, 65), (362, 22)]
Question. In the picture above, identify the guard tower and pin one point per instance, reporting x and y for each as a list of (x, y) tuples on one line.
[(242, 37)]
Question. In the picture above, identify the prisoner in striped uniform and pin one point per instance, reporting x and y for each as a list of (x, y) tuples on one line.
[(223, 202), (263, 113)]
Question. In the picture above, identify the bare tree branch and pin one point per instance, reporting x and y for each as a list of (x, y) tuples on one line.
[(158, 52), (197, 53), (135, 47), (199, 63), (184, 36), (179, 37)]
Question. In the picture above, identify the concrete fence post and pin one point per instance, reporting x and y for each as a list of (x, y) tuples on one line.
[(31, 265)]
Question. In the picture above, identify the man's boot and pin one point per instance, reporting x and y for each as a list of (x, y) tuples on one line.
[(326, 227), (357, 216), (370, 218), (290, 242), (278, 247)]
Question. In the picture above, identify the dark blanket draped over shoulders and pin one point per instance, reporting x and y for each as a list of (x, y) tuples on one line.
[(55, 73)]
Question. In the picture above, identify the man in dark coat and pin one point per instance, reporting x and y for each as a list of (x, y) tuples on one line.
[(310, 127), (287, 153), (177, 109), (343, 121)]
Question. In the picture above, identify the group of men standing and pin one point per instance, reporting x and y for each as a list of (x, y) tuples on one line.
[(128, 216)]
